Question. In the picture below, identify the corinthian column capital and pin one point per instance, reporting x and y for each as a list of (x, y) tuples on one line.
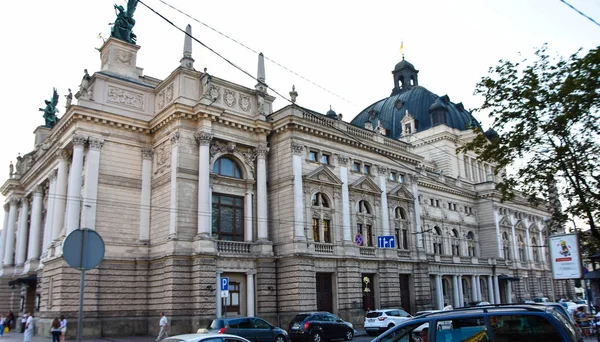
[(203, 138)]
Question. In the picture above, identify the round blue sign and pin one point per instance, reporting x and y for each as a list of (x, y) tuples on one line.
[(83, 249), (358, 239)]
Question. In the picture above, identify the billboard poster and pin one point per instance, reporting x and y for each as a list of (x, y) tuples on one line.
[(565, 258)]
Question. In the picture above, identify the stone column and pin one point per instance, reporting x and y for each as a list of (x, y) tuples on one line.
[(474, 288), (3, 236), (9, 248), (60, 196), (298, 191), (74, 190), (528, 247), (491, 298), (92, 169), (346, 231), (262, 217), (417, 208), (455, 290), (509, 292), (385, 215), (439, 291), (542, 254), (22, 233), (219, 312), (35, 230), (497, 290), (146, 194), (204, 193), (248, 231), (49, 212), (250, 294), (514, 243), (174, 207), (461, 291)]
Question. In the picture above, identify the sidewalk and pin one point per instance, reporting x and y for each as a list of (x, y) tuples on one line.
[(18, 337)]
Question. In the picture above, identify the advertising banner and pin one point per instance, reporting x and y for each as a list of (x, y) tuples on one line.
[(565, 258)]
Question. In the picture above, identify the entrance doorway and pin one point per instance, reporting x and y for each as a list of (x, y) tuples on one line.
[(324, 292), (368, 292), (405, 292)]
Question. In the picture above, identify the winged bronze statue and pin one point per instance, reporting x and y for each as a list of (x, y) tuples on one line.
[(123, 26), (51, 110)]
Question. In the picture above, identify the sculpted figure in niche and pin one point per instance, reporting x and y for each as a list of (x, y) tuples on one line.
[(205, 80)]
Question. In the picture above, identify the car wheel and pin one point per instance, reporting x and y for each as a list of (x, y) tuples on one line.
[(349, 335), (279, 338), (391, 325), (316, 337)]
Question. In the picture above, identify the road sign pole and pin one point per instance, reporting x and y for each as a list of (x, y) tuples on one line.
[(81, 287)]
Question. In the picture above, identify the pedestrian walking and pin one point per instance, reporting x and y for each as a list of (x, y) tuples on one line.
[(2, 324), (164, 326), (28, 328), (55, 330), (63, 328), (23, 321)]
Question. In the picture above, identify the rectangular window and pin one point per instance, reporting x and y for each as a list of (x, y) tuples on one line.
[(467, 173), (356, 167), (326, 231), (432, 201), (526, 283), (437, 203), (367, 169), (454, 206), (325, 159), (312, 155), (400, 178), (228, 217), (539, 284), (316, 230), (360, 231), (404, 238), (368, 236), (392, 176)]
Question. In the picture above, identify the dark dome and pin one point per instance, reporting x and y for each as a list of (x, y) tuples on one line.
[(330, 113), (403, 64), (418, 101), (491, 134)]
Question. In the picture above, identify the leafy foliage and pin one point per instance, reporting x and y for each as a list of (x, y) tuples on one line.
[(545, 112)]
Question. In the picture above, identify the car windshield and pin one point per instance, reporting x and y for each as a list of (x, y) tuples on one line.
[(373, 314)]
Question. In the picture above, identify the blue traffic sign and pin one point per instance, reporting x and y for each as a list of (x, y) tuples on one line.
[(358, 239), (225, 284), (386, 242)]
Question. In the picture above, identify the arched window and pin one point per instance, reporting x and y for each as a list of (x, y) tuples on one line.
[(471, 244), (225, 166), (364, 223), (534, 245), (506, 245), (401, 228), (437, 240), (321, 218), (455, 243), (521, 248)]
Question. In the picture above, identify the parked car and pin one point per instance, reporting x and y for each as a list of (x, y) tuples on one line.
[(478, 303), (378, 321), (561, 309), (319, 326), (487, 323), (252, 328), (205, 338)]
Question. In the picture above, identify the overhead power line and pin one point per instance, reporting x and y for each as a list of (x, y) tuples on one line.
[(578, 11)]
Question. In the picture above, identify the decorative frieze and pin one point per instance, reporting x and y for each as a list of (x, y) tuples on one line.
[(296, 148), (125, 97), (95, 143), (147, 153), (120, 181), (163, 158), (203, 138), (124, 57), (245, 103), (170, 93), (229, 97)]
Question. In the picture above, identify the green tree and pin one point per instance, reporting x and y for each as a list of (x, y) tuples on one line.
[(545, 115)]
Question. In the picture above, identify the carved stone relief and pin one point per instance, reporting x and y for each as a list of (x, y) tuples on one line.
[(229, 97), (124, 57), (245, 103), (161, 100), (296, 148), (163, 158), (169, 96), (125, 97)]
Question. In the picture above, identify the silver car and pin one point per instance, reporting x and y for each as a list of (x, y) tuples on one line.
[(205, 338)]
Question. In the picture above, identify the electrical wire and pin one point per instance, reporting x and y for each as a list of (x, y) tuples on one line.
[(256, 52), (581, 13)]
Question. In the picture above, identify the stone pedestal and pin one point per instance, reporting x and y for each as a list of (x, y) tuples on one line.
[(41, 133), (119, 57)]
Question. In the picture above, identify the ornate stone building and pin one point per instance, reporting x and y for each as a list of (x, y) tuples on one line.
[(193, 178)]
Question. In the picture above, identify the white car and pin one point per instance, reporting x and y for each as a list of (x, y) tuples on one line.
[(378, 321), (205, 338)]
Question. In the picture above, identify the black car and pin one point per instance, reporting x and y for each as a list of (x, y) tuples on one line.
[(497, 323), (252, 328), (319, 326)]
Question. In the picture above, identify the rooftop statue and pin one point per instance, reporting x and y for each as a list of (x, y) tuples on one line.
[(123, 25), (51, 110)]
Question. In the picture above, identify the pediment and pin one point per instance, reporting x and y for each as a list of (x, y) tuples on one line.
[(505, 221), (323, 174), (365, 184), (401, 192)]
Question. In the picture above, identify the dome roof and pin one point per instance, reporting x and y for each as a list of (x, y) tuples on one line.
[(418, 101), (404, 64), (491, 134), (330, 113)]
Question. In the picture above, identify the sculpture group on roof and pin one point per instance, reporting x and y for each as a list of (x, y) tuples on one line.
[(123, 26), (50, 110)]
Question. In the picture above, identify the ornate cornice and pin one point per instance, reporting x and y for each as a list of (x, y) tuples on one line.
[(203, 138), (147, 153)]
